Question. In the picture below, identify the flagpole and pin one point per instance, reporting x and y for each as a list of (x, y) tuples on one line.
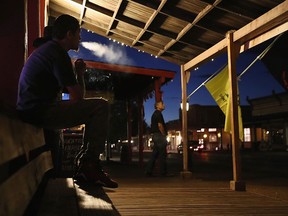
[(209, 78), (260, 56), (240, 75)]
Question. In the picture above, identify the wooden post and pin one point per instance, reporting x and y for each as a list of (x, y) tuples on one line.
[(158, 92), (129, 130), (13, 46), (185, 173), (33, 27), (233, 51), (140, 129), (43, 17)]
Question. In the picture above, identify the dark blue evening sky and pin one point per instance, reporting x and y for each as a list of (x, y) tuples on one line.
[(256, 82)]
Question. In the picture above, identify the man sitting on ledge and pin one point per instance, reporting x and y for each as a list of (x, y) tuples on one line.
[(46, 73)]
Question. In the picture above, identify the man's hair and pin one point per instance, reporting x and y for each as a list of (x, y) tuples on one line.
[(63, 24), (48, 31), (157, 102)]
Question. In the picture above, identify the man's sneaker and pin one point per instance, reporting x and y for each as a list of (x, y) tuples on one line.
[(105, 180), (92, 172), (80, 177)]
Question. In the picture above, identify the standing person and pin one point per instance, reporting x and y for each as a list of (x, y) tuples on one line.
[(46, 73), (159, 133)]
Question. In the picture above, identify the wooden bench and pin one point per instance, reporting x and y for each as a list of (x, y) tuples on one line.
[(26, 186), (24, 164), (65, 197)]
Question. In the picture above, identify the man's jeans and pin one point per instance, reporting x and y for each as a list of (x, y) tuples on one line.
[(64, 114), (159, 152)]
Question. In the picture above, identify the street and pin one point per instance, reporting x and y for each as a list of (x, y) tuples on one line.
[(217, 165)]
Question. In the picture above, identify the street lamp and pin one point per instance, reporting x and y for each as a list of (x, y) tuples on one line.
[(187, 105)]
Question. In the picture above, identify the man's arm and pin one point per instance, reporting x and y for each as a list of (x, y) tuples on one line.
[(77, 92), (161, 128)]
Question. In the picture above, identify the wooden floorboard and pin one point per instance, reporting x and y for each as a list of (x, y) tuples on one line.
[(172, 197), (59, 198), (138, 195), (63, 197), (93, 200), (191, 201)]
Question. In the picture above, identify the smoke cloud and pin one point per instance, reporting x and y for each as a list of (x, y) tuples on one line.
[(111, 54)]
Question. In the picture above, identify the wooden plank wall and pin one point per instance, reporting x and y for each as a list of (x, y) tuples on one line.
[(24, 159)]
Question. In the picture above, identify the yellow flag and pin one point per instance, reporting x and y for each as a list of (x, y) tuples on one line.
[(219, 87), (227, 127)]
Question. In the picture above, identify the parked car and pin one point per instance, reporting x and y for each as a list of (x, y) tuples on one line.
[(199, 147), (192, 146)]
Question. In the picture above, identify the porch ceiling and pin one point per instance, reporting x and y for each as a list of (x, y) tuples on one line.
[(176, 31)]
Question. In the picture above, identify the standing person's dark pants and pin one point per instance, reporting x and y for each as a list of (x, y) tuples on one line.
[(160, 153)]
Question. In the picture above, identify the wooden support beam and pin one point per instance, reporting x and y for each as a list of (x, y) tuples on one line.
[(158, 92), (185, 173), (131, 69), (233, 51), (140, 129)]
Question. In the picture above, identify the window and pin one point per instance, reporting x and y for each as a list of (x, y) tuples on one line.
[(247, 135), (212, 138), (212, 129)]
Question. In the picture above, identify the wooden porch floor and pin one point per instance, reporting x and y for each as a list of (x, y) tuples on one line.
[(138, 195)]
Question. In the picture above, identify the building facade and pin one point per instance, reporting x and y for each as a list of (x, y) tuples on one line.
[(265, 124)]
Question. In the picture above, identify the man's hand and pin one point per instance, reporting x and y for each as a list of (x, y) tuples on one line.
[(77, 92), (80, 67), (161, 128)]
